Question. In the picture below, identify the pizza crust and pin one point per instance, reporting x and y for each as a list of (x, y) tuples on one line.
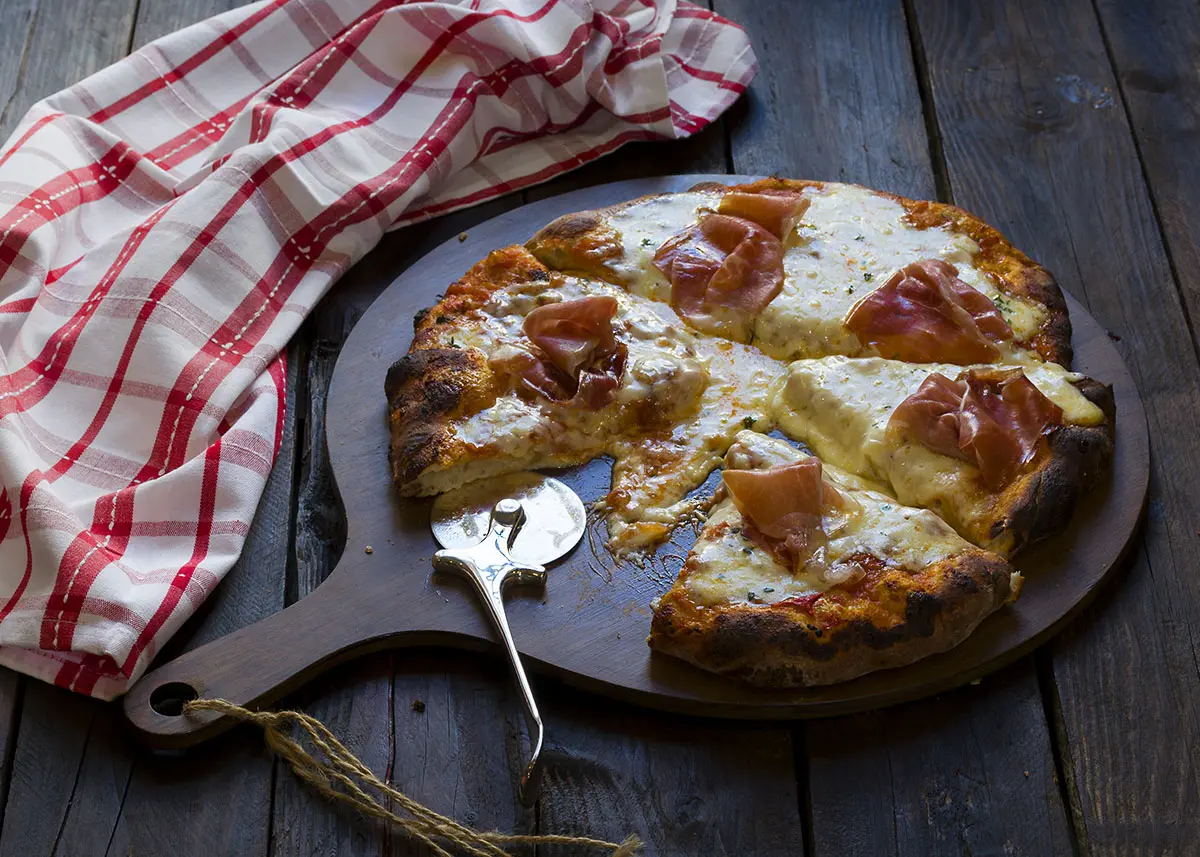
[(586, 242), (446, 380), (782, 646), (1041, 503)]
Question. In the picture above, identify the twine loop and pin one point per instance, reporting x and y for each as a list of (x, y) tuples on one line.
[(339, 775)]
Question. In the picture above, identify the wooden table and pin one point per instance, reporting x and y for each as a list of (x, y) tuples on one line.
[(1073, 126)]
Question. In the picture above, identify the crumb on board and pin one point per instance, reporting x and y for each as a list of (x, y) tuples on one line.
[(368, 549), (462, 236), (1027, 775), (418, 706)]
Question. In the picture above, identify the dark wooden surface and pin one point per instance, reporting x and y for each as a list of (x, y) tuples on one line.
[(1073, 127), (592, 635)]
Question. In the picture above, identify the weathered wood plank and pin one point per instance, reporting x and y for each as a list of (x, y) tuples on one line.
[(357, 702), (953, 774), (157, 18), (685, 786), (46, 45), (886, 783), (835, 96), (1025, 91), (459, 738), (1153, 45)]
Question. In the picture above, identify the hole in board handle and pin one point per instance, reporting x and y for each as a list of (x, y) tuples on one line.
[(169, 699)]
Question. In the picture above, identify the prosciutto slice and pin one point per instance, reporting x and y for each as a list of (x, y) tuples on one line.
[(572, 333), (723, 271), (777, 211), (782, 506), (575, 356), (925, 314), (992, 418)]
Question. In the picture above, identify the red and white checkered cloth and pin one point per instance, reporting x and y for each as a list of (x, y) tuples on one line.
[(166, 225)]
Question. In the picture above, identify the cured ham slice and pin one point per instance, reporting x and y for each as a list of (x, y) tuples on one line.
[(723, 271), (572, 333), (575, 358), (925, 314), (992, 418), (782, 506), (777, 211)]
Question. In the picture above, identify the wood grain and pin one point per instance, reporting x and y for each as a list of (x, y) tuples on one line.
[(1153, 45), (685, 786), (875, 789), (953, 773), (34, 35), (157, 18), (1025, 91), (590, 623), (818, 110)]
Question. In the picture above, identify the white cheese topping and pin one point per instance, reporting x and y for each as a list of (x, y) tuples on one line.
[(841, 406), (847, 245), (729, 568)]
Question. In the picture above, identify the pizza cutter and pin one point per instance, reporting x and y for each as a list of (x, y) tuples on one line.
[(503, 531)]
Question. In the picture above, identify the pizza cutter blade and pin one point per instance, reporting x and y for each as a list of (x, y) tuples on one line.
[(500, 531)]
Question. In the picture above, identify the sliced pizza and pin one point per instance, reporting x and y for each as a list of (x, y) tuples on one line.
[(520, 367), (807, 269), (1000, 452), (806, 575)]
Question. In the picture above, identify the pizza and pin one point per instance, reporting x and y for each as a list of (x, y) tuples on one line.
[(885, 385), (803, 574)]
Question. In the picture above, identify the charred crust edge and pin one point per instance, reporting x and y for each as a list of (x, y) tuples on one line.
[(733, 641), (425, 389), (1079, 458)]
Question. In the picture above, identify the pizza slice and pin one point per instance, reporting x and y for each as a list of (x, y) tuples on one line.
[(807, 269), (807, 575), (1002, 453), (519, 367)]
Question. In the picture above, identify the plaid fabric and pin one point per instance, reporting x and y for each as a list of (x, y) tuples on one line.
[(166, 225)]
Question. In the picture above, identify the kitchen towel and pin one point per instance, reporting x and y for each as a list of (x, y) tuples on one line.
[(166, 225)]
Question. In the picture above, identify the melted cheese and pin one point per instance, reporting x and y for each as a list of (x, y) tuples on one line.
[(652, 476), (848, 243), (645, 226), (664, 366), (840, 407), (729, 568)]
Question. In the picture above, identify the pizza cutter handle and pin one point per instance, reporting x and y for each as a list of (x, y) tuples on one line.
[(489, 567)]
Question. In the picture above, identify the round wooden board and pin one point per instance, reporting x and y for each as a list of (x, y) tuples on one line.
[(590, 624)]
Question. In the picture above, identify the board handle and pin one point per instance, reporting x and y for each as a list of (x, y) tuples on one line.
[(256, 665)]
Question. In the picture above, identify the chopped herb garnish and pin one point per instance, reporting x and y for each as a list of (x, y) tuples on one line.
[(748, 422), (849, 290), (454, 344), (752, 595), (646, 242), (868, 276), (860, 237), (886, 507), (747, 551), (768, 589)]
